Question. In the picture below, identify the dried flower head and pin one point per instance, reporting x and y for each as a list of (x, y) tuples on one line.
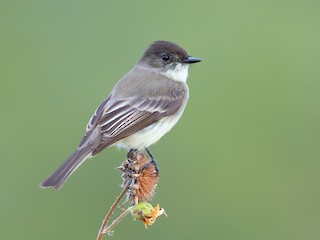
[(141, 176)]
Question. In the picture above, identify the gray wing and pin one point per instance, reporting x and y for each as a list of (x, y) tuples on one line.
[(126, 116)]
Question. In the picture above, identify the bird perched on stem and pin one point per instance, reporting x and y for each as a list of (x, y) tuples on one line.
[(142, 107)]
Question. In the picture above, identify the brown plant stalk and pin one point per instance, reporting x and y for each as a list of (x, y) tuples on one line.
[(102, 230)]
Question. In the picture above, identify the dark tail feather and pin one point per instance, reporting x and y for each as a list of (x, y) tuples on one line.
[(58, 178)]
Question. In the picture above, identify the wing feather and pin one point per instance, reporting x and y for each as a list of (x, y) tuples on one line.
[(119, 116)]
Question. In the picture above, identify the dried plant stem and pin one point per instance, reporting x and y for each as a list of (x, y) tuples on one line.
[(140, 176), (115, 222), (102, 230)]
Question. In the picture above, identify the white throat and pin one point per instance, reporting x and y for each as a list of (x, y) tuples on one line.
[(180, 73)]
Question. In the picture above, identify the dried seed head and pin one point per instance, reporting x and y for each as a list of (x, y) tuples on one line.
[(140, 175)]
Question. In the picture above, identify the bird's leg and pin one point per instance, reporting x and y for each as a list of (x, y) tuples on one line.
[(152, 162), (151, 156), (130, 152)]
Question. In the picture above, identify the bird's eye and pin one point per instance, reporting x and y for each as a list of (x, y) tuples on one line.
[(165, 57)]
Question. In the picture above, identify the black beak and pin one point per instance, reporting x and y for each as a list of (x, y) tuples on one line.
[(191, 60)]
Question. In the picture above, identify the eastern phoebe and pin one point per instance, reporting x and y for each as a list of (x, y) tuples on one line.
[(142, 107)]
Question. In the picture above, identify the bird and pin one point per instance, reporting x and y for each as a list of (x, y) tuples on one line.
[(142, 107)]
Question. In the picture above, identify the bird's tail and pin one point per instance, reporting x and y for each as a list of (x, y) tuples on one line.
[(58, 178)]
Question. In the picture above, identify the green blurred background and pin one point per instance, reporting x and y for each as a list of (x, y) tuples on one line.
[(243, 162)]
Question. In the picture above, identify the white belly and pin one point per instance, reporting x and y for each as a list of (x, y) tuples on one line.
[(150, 135)]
